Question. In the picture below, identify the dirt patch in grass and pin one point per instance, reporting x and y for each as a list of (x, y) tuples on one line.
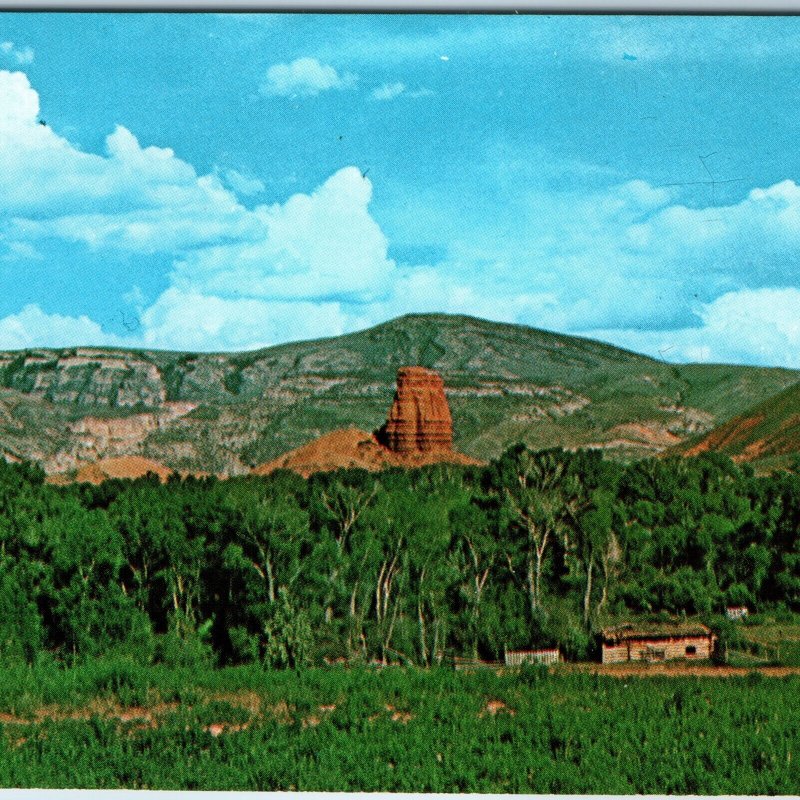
[(218, 728), (400, 716), (495, 707), (281, 711), (246, 700)]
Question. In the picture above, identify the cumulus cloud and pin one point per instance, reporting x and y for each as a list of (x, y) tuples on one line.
[(277, 271), (314, 246), (32, 327), (630, 257), (141, 199), (304, 77), (316, 271), (751, 326), (190, 320), (629, 265), (244, 185), (21, 55)]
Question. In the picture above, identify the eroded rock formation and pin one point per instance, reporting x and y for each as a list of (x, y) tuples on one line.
[(419, 420)]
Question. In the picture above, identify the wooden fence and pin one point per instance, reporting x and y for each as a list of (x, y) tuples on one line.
[(516, 658)]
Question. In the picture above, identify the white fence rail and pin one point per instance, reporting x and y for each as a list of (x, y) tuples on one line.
[(516, 658)]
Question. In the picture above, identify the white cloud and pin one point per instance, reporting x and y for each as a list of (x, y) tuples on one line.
[(245, 185), (628, 257), (20, 105), (142, 199), (624, 263), (32, 327), (320, 263), (388, 91), (189, 320), (751, 326), (304, 77), (313, 246), (22, 55), (268, 268)]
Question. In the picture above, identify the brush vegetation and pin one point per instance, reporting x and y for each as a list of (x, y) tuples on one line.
[(113, 725)]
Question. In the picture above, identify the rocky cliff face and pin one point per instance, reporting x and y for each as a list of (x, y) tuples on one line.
[(419, 419), (85, 376)]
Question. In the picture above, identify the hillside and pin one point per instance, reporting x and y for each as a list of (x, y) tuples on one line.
[(766, 433), (227, 412), (348, 448)]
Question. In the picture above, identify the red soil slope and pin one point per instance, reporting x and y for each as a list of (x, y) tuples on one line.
[(351, 447), (726, 436), (769, 430), (122, 467)]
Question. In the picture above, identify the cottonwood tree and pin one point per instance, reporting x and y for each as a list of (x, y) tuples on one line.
[(596, 546), (475, 555), (338, 503), (534, 505), (430, 571), (271, 529)]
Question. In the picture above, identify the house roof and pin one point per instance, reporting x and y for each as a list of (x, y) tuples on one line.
[(660, 630)]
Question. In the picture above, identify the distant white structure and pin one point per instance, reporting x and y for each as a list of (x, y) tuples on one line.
[(516, 658), (736, 612)]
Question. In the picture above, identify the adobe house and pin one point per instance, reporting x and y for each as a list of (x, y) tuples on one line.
[(657, 641)]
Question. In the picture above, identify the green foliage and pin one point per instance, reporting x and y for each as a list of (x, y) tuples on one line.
[(401, 567), (233, 381), (398, 730), (206, 413), (288, 634)]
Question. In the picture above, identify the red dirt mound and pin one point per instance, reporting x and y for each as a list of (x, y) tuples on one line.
[(352, 447), (122, 467)]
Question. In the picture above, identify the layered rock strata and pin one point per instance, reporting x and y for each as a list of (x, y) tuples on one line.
[(419, 420)]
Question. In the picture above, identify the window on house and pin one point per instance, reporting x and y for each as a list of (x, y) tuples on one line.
[(691, 650)]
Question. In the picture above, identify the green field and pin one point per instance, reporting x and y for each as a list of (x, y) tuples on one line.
[(773, 639), (111, 725)]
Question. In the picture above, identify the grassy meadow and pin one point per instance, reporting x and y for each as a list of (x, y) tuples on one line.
[(115, 725)]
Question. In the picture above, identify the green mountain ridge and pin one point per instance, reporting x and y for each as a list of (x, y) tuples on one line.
[(225, 412)]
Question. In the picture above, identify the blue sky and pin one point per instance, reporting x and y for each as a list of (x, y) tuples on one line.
[(226, 181)]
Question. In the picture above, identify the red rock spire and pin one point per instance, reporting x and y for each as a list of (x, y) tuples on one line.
[(419, 420)]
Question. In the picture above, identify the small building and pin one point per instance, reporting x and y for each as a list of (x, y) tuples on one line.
[(659, 641), (516, 658), (736, 612)]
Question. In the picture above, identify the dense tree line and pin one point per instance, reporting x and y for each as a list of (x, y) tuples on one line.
[(400, 566)]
